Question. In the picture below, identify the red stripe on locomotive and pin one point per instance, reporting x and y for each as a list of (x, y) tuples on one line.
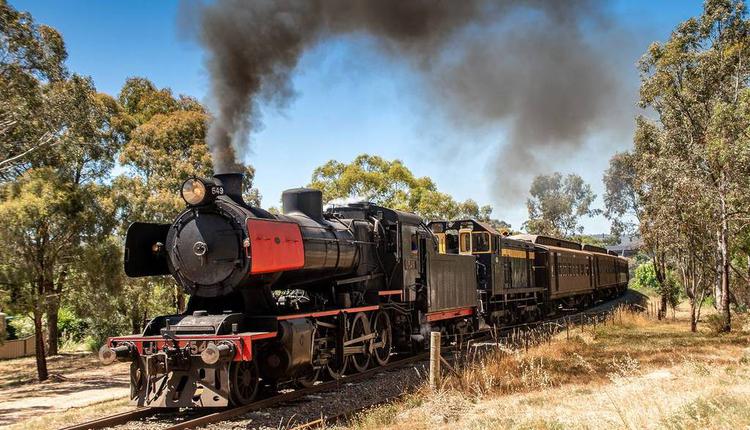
[(275, 246), (243, 342), (451, 313)]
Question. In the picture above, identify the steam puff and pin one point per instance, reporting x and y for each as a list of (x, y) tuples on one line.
[(526, 63)]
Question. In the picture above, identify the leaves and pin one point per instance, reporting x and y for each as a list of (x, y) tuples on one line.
[(557, 203), (391, 184)]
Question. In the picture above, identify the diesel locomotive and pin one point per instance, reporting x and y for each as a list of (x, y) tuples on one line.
[(312, 294)]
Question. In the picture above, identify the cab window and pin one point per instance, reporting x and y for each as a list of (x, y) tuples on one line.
[(480, 241), (465, 243), (441, 242)]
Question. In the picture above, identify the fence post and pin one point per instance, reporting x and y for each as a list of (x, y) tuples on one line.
[(434, 359), (526, 340)]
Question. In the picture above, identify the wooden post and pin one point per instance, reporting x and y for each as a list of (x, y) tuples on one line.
[(434, 359), (567, 328), (526, 340)]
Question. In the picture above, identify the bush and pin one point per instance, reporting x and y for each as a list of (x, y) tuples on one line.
[(715, 323), (645, 280), (71, 328), (99, 333), (22, 326)]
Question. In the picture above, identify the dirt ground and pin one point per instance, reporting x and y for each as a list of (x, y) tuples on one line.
[(76, 380)]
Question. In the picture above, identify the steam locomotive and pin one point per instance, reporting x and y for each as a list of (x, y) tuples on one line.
[(311, 294)]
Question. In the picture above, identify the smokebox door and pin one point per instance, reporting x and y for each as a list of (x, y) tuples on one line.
[(145, 250)]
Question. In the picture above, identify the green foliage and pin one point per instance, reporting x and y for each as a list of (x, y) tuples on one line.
[(391, 184), (645, 278), (599, 241), (557, 203), (621, 198), (692, 164), (71, 326), (22, 326)]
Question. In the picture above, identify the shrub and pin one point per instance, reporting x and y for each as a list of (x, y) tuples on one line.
[(22, 326), (715, 323), (71, 328)]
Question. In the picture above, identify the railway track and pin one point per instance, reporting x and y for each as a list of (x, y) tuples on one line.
[(114, 420), (222, 415), (514, 335), (509, 333)]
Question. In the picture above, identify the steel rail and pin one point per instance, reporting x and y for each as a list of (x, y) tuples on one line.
[(114, 420), (293, 395), (597, 312)]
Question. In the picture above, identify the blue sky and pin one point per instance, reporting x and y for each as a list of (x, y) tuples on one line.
[(349, 101)]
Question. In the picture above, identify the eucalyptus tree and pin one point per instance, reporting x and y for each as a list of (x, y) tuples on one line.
[(696, 83), (557, 203), (622, 205), (164, 145), (390, 183), (58, 137)]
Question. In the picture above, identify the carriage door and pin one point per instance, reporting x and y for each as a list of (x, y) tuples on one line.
[(556, 270), (410, 258)]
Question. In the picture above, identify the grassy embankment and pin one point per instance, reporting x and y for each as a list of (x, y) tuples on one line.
[(634, 372)]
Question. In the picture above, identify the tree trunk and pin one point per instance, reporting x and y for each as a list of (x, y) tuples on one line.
[(717, 283), (659, 271), (41, 359), (135, 324), (724, 253), (53, 335), (693, 315), (663, 306)]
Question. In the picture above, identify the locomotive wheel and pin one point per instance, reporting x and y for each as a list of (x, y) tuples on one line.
[(309, 380), (244, 380), (381, 326), (336, 372), (360, 328)]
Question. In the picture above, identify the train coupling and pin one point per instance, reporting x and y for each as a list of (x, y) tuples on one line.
[(122, 352), (213, 353)]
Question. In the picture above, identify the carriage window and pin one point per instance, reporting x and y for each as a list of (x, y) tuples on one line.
[(414, 243), (465, 243), (480, 241)]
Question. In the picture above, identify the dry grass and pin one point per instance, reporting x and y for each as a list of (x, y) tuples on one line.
[(633, 372)]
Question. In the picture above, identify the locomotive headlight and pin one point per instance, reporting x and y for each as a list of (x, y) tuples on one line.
[(194, 191)]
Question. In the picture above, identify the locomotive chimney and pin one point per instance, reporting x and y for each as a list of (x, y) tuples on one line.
[(232, 184), (303, 200)]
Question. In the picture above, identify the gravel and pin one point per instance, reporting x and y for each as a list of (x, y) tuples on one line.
[(347, 397)]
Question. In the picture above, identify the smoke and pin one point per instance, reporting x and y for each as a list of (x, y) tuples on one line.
[(530, 65)]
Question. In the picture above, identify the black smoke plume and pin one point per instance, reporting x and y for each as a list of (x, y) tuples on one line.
[(527, 64)]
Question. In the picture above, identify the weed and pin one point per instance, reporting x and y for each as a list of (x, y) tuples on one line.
[(721, 411)]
